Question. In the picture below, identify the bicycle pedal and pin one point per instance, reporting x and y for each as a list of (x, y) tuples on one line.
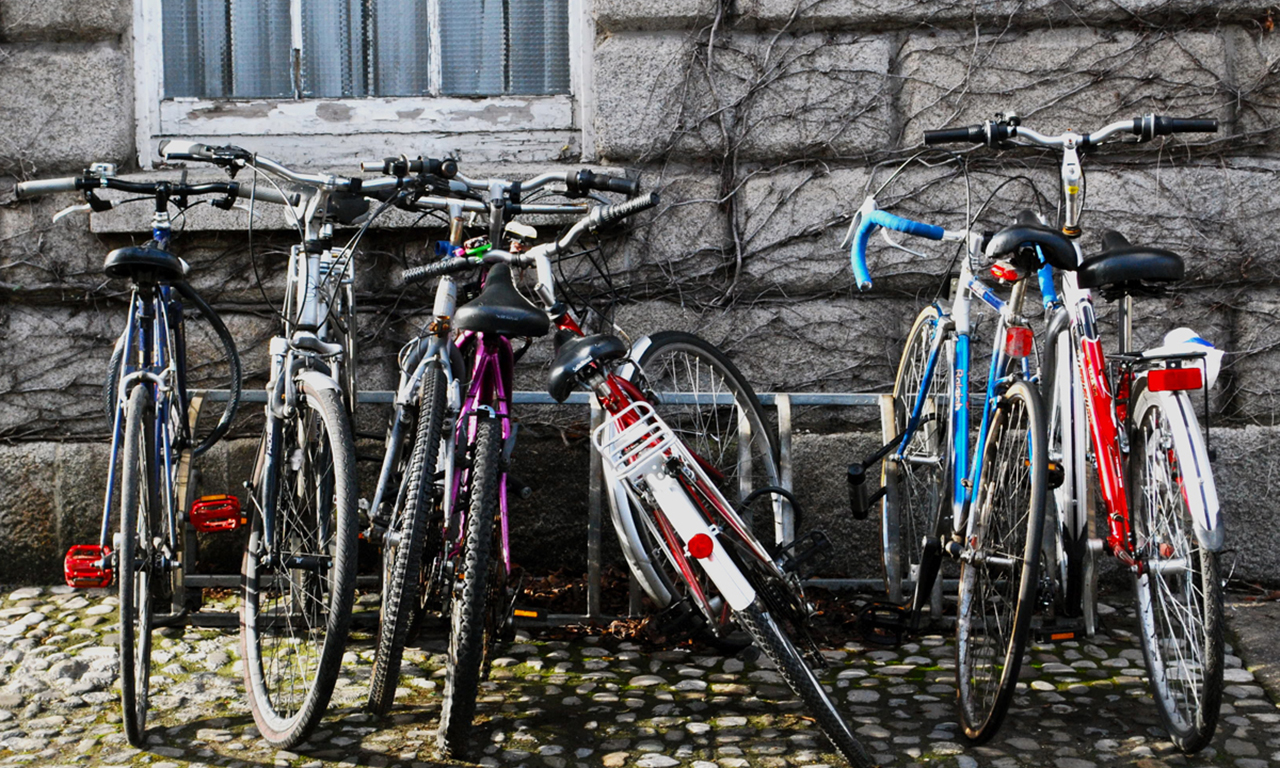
[(802, 550), (883, 623), (526, 616), (216, 514), (1060, 630), (87, 566)]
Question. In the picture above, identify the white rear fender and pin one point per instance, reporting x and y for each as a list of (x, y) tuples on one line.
[(1198, 486)]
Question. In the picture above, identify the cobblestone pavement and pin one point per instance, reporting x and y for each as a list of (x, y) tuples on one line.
[(594, 701)]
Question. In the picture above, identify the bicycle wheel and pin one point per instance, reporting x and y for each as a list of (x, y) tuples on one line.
[(296, 606), (402, 552), (708, 403), (916, 490), (134, 572), (1179, 590), (999, 571), (1066, 517), (471, 625)]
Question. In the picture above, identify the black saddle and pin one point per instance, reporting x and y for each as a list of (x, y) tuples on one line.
[(1123, 268), (143, 264), (577, 353), (500, 309), (1058, 250)]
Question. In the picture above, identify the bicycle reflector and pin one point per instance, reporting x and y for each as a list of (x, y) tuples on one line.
[(701, 546), (1018, 341), (1173, 379), (87, 566), (1003, 270), (214, 514)]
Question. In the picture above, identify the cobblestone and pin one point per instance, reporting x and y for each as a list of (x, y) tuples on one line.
[(600, 702)]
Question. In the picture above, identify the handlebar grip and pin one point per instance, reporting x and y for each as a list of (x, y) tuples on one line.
[(267, 194), (870, 222), (1168, 125), (177, 149), (973, 134), (612, 213), (26, 189), (435, 269), (606, 183), (401, 166)]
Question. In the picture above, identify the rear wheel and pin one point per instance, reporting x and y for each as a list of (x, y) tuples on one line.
[(135, 573), (999, 573), (472, 628), (402, 552), (1179, 589), (296, 606)]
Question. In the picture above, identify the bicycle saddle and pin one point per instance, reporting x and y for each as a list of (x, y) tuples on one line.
[(144, 264), (500, 309), (577, 353), (1123, 268), (1058, 250)]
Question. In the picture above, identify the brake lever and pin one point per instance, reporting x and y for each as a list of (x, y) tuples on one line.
[(65, 212)]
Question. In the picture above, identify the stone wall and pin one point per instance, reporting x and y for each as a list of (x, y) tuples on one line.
[(764, 123)]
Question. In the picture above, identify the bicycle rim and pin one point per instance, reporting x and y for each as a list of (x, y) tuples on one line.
[(1179, 591), (997, 585), (297, 601), (135, 561)]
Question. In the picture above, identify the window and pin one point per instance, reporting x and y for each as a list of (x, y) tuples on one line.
[(483, 79)]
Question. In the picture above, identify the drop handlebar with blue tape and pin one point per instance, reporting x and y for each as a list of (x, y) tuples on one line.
[(877, 218)]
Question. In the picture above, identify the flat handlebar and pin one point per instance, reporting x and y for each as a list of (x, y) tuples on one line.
[(996, 132)]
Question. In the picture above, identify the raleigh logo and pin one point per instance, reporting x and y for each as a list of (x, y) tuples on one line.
[(958, 388)]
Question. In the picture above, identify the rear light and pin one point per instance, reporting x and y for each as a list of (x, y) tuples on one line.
[(1173, 379), (214, 514), (1003, 270), (87, 566), (701, 546), (1018, 341)]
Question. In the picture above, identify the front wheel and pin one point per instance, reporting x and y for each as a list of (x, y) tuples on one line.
[(298, 589), (472, 628), (999, 570), (136, 561), (774, 642), (1179, 589)]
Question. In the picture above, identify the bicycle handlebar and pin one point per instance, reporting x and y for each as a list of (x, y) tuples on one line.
[(869, 218), (29, 189), (403, 166), (995, 132)]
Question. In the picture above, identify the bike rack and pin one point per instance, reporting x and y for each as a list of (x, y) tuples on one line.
[(783, 403)]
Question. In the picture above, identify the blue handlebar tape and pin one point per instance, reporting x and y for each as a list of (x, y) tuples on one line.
[(869, 223)]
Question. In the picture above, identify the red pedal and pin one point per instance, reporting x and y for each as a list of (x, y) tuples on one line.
[(87, 566), (214, 514)]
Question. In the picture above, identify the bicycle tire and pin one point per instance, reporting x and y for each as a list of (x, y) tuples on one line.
[(916, 490), (402, 561), (134, 561), (684, 364), (1180, 610), (298, 617), (1066, 530), (1009, 506), (770, 638), (470, 625)]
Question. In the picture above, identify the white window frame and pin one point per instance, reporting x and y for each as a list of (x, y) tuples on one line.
[(335, 133)]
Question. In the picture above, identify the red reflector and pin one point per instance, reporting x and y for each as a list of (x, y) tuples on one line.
[(85, 567), (211, 514), (701, 546), (1171, 379), (1018, 341), (1004, 271)]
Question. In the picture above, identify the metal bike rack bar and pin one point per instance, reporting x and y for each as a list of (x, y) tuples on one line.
[(783, 402)]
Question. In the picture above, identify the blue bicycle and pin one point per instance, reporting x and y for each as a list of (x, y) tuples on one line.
[(152, 441), (996, 486)]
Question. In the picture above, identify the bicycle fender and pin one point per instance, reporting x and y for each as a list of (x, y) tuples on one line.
[(1199, 488), (688, 522), (317, 380)]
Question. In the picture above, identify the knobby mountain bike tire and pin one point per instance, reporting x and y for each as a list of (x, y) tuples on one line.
[(917, 492), (402, 558), (296, 603), (134, 576), (998, 582), (680, 366), (1179, 590), (474, 591)]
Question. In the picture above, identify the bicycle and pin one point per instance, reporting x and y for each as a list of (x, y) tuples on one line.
[(996, 485), (152, 441), (1155, 481), (299, 566)]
